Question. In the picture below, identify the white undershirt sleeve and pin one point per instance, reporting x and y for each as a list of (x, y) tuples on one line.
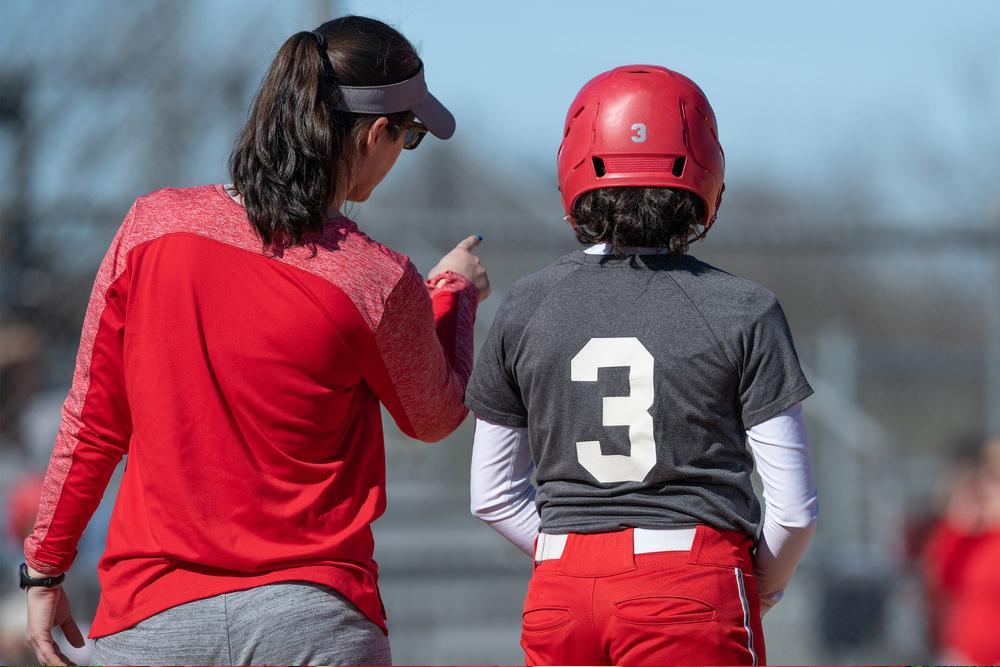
[(503, 496), (501, 491), (780, 448)]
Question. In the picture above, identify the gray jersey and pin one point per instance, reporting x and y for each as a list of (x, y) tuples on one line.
[(637, 379)]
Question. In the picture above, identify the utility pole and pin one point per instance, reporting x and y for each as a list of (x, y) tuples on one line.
[(14, 217), (993, 348)]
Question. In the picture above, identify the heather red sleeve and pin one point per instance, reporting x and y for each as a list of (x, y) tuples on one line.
[(96, 423), (454, 320), (425, 342)]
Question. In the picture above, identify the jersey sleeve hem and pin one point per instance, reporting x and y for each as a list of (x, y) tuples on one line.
[(495, 416), (44, 568), (775, 408), (453, 282)]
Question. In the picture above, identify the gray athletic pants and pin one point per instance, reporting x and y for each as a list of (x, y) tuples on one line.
[(293, 623)]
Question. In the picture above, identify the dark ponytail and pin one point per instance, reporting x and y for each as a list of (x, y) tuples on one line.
[(295, 146)]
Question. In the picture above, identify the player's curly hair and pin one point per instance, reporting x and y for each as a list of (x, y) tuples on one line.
[(639, 217)]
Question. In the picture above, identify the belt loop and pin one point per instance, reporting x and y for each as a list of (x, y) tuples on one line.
[(696, 545)]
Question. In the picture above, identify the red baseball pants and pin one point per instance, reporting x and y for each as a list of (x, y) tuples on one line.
[(599, 604)]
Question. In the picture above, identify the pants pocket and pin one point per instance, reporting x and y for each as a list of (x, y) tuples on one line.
[(542, 619), (664, 609)]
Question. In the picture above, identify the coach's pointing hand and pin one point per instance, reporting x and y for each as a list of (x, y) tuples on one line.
[(47, 608), (463, 262)]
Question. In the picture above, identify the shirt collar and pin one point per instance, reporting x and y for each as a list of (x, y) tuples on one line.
[(605, 249)]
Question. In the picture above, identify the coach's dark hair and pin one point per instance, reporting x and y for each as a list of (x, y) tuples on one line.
[(639, 217), (294, 147)]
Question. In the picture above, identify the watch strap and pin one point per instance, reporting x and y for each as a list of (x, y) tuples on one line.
[(27, 581)]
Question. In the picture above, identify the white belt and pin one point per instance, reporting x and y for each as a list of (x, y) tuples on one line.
[(644, 541)]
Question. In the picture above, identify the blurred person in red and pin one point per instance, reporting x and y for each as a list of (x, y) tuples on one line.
[(960, 563), (943, 538), (22, 504)]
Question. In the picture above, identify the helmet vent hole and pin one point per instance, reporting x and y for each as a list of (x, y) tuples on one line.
[(579, 111), (678, 166), (638, 71), (599, 167)]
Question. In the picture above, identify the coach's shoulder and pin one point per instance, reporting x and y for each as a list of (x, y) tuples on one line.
[(192, 209), (176, 199)]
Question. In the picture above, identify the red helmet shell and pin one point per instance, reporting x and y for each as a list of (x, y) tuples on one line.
[(641, 125)]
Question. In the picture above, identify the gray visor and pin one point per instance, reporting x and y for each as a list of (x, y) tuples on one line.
[(410, 95)]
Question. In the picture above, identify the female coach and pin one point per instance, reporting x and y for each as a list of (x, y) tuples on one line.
[(237, 345)]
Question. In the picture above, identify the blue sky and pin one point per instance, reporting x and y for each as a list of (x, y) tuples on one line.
[(805, 92), (812, 97)]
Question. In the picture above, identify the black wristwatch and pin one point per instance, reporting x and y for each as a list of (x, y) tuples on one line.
[(45, 582)]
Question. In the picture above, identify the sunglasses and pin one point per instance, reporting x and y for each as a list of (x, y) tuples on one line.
[(413, 133)]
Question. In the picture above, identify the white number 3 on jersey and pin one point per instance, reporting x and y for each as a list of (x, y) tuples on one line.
[(631, 410)]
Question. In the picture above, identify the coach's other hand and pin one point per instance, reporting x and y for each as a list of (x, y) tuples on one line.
[(463, 262), (47, 608)]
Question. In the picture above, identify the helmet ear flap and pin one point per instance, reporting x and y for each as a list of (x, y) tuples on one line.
[(715, 214), (718, 202), (708, 226)]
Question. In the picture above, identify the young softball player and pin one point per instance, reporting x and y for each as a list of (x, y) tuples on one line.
[(629, 378), (236, 348)]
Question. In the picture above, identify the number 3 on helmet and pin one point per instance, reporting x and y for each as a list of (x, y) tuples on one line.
[(641, 125)]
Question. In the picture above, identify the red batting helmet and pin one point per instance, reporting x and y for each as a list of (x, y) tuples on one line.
[(641, 125)]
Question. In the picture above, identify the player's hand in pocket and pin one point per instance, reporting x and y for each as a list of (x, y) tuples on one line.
[(767, 602)]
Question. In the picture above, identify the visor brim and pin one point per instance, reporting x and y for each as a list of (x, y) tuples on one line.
[(435, 117)]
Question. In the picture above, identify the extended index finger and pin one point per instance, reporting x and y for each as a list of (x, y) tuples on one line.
[(470, 243)]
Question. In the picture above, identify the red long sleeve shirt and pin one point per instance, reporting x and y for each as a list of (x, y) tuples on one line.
[(244, 389), (964, 592)]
